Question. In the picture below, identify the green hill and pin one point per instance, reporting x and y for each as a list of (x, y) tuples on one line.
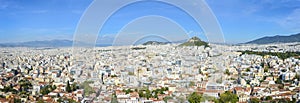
[(195, 41)]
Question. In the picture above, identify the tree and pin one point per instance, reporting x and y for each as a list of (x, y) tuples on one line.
[(297, 76), (254, 100), (200, 71), (161, 91), (148, 94), (166, 88), (228, 97), (215, 100), (268, 98), (155, 95), (136, 90), (194, 98), (54, 87), (74, 87), (47, 89), (25, 84), (141, 94), (17, 100), (248, 70), (40, 101), (127, 91), (68, 87), (266, 69), (227, 72)]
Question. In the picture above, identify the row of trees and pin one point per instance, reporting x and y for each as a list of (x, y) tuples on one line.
[(152, 94), (146, 93), (24, 86), (226, 97), (278, 54), (229, 97)]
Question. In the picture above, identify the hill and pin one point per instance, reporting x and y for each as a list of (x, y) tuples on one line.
[(155, 43), (194, 41), (276, 39)]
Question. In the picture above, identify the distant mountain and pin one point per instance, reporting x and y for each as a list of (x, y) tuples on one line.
[(46, 43), (276, 39), (155, 43), (194, 41)]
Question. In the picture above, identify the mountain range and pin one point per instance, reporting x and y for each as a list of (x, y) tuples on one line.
[(276, 39), (194, 41)]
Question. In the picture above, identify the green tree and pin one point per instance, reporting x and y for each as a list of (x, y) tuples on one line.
[(268, 98), (40, 101), (148, 94), (297, 76), (25, 84), (68, 87), (128, 91), (166, 88), (278, 81), (136, 90), (194, 98), (215, 100), (254, 100), (227, 72), (17, 100), (74, 87), (248, 70), (200, 71), (228, 97), (266, 69), (141, 94), (47, 89)]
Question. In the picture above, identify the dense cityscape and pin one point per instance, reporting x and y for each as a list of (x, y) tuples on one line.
[(149, 51), (167, 73)]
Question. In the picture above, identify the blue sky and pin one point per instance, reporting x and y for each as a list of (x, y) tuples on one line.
[(240, 20)]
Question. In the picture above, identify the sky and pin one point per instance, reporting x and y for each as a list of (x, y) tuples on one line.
[(240, 20)]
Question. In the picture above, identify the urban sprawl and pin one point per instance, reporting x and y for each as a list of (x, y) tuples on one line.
[(151, 74)]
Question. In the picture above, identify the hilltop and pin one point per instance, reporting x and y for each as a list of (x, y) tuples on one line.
[(194, 41)]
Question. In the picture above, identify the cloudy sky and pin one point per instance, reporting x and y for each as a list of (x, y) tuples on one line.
[(240, 20)]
